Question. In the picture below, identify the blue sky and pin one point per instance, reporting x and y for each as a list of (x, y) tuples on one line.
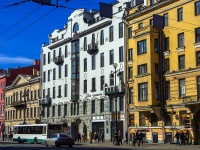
[(25, 26)]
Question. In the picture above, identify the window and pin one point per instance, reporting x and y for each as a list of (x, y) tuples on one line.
[(84, 107), (44, 93), (93, 84), (85, 86), (198, 58), (111, 34), (60, 52), (102, 60), (130, 54), (65, 109), (44, 59), (120, 8), (130, 72), (76, 28), (59, 91), (121, 103), (166, 64), (121, 56), (72, 112), (54, 92), (140, 25), (182, 117), (59, 110), (49, 71), (93, 106), (120, 29), (151, 22), (154, 120), (180, 14), (111, 57), (143, 91), (54, 73), (54, 54), (111, 81), (48, 92), (167, 90), (102, 82), (53, 111), (85, 44), (85, 64), (181, 40), (142, 120), (93, 39), (141, 47), (49, 57), (59, 72), (77, 108), (101, 105), (156, 48), (130, 32), (93, 62), (181, 61), (131, 120), (182, 89), (197, 8), (165, 19), (197, 35), (65, 90), (66, 70), (102, 38), (142, 69), (44, 77), (157, 68), (111, 104), (66, 51), (157, 90), (166, 44), (130, 95), (151, 2)]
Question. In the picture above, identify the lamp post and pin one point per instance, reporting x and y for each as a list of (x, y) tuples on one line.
[(112, 74), (25, 95)]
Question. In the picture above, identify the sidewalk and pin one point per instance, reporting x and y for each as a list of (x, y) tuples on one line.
[(153, 146)]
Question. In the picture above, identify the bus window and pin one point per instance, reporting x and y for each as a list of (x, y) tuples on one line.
[(15, 130), (44, 130)]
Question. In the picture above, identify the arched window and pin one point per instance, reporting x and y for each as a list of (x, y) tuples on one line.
[(76, 28)]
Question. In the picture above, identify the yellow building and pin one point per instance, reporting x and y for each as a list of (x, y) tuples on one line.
[(21, 101), (163, 69)]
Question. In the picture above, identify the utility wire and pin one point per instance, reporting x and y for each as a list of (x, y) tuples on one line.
[(28, 25), (19, 21), (14, 4)]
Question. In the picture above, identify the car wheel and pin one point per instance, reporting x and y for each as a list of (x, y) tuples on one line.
[(57, 145), (45, 143), (70, 145)]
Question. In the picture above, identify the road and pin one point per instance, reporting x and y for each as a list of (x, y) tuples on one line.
[(96, 146)]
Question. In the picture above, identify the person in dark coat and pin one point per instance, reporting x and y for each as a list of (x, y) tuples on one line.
[(102, 136), (177, 137), (182, 137), (79, 137), (126, 136), (120, 137)]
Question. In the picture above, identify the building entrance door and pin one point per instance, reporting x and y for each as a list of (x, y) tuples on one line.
[(155, 137)]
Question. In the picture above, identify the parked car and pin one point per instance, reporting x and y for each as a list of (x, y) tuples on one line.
[(59, 139)]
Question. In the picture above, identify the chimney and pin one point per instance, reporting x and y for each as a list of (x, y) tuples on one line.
[(36, 62)]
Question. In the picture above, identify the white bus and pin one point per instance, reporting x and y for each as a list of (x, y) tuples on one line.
[(35, 133)]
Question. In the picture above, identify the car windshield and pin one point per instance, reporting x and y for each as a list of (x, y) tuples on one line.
[(64, 135), (53, 136)]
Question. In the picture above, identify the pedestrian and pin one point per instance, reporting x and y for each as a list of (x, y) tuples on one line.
[(79, 137), (83, 138), (91, 137), (133, 139), (141, 138), (120, 137), (3, 137), (102, 137), (177, 137), (95, 137), (126, 135), (138, 138), (98, 137), (182, 137)]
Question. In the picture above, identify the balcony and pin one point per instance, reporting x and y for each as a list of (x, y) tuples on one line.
[(111, 90), (74, 97), (18, 104), (180, 49), (166, 53), (45, 101), (58, 60), (93, 49)]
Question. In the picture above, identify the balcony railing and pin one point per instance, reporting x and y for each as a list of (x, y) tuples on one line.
[(58, 60), (111, 90), (18, 104), (92, 49)]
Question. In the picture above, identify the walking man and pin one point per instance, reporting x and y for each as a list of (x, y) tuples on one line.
[(177, 137)]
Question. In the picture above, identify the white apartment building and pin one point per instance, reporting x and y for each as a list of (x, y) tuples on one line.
[(76, 65)]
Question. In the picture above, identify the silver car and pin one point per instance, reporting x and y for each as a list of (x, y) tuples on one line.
[(59, 139)]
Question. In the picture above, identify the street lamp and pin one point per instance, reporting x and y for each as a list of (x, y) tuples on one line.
[(112, 74), (24, 96)]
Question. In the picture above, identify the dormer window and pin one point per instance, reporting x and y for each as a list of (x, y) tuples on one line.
[(76, 28)]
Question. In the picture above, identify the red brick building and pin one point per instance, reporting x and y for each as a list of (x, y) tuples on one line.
[(6, 79)]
